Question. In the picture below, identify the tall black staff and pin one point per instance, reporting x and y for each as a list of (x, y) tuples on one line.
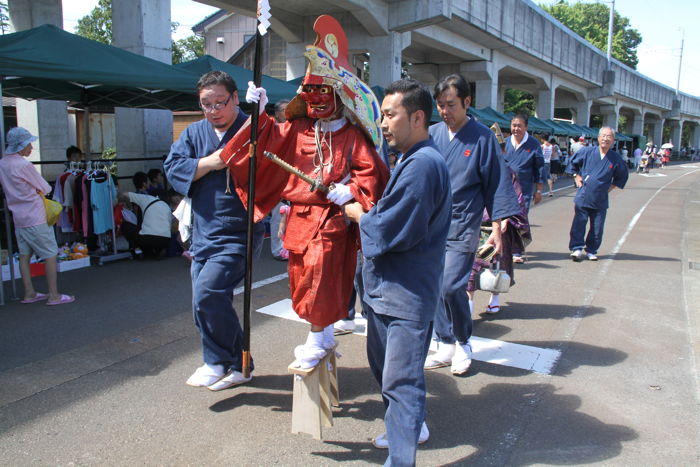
[(263, 23)]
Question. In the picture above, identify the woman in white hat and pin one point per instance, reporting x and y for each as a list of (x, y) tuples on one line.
[(22, 185)]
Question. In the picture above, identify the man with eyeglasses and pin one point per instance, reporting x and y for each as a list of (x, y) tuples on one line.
[(195, 170)]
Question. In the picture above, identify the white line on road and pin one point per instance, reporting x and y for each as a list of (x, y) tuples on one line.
[(525, 357), (262, 283)]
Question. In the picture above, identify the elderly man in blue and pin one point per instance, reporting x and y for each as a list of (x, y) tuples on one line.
[(194, 169), (479, 180), (404, 233), (597, 171)]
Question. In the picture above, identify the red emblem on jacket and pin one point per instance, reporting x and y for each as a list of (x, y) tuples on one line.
[(467, 153), (610, 166)]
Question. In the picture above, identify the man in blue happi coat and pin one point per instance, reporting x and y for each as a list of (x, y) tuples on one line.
[(597, 171), (524, 156), (194, 169), (479, 180), (403, 234)]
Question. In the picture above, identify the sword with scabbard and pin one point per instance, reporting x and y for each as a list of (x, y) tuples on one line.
[(314, 182)]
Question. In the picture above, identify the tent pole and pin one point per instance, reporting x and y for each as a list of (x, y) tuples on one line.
[(2, 154), (86, 133), (8, 230)]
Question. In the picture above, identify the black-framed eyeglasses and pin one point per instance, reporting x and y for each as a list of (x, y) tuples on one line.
[(216, 106)]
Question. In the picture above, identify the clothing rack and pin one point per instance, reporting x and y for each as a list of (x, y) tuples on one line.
[(115, 255)]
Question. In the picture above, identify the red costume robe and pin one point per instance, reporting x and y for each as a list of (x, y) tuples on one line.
[(322, 244)]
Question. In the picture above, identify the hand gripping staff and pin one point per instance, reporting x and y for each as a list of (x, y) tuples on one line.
[(263, 22)]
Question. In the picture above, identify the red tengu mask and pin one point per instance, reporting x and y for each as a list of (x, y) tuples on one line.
[(321, 101)]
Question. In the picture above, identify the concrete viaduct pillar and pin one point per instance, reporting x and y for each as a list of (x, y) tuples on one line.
[(676, 126), (385, 58), (485, 76), (43, 118), (695, 136), (657, 131), (611, 116), (637, 124), (142, 27), (486, 93), (583, 113), (545, 103)]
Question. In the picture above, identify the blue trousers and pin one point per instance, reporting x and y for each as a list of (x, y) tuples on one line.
[(453, 318), (213, 282), (396, 350), (357, 290), (578, 229)]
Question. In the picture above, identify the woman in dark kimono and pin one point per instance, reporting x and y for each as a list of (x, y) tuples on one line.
[(515, 234)]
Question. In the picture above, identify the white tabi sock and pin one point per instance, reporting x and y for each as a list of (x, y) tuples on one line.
[(471, 306), (315, 339), (328, 337), (494, 300)]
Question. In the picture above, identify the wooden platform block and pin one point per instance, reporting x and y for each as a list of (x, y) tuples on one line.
[(315, 393)]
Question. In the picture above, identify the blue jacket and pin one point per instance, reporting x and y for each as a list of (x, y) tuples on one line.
[(219, 218), (527, 162), (479, 180), (598, 174), (403, 237)]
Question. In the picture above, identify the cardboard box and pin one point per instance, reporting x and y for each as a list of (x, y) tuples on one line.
[(64, 266)]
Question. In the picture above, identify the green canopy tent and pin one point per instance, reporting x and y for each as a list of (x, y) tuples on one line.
[(277, 89), (47, 62), (563, 128), (489, 116)]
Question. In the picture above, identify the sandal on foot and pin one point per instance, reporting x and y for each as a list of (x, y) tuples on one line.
[(63, 299), (37, 298), (492, 309)]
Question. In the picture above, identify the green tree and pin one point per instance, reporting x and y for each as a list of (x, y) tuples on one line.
[(590, 21), (187, 49), (98, 27), (98, 24), (4, 18), (519, 102)]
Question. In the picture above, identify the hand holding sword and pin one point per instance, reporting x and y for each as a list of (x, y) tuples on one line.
[(336, 192)]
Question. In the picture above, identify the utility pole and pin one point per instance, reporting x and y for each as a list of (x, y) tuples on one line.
[(610, 33), (680, 62)]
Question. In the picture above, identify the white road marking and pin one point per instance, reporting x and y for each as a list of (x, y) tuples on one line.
[(525, 357), (655, 174), (262, 283)]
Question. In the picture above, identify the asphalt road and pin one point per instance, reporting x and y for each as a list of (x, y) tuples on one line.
[(101, 381)]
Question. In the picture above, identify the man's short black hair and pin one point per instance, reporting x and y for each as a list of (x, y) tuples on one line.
[(214, 78), (72, 150), (153, 174), (520, 116), (415, 97), (456, 81), (140, 179)]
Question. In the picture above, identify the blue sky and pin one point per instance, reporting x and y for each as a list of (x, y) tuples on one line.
[(660, 23)]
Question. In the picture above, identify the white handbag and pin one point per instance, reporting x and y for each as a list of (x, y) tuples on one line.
[(493, 279)]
